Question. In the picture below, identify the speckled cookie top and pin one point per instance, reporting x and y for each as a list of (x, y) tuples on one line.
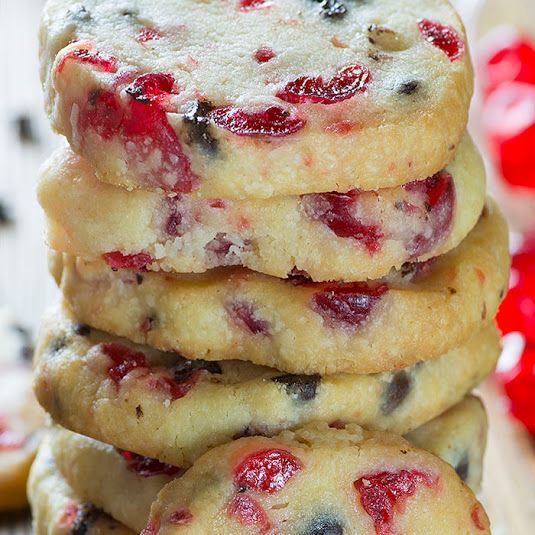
[(212, 80)]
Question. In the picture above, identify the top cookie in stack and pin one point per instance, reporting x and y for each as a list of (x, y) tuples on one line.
[(257, 98)]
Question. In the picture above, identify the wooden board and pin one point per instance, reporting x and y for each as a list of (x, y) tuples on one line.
[(509, 483)]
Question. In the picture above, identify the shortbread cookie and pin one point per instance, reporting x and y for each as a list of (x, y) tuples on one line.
[(56, 510), (331, 236), (160, 405), (318, 480), (125, 484), (257, 98), (294, 325), (20, 415)]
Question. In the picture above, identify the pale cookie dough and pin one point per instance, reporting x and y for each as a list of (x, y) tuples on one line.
[(318, 480), (165, 407), (417, 313), (333, 236), (56, 510), (257, 98), (125, 484)]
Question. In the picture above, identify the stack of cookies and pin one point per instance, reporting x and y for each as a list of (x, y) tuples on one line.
[(279, 270)]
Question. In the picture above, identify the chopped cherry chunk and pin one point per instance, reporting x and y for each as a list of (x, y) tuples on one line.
[(124, 360), (439, 194), (266, 471), (87, 54), (181, 517), (270, 122), (346, 83), (249, 5), (118, 260), (147, 34), (9, 439), (347, 304), (245, 315), (382, 494), (178, 386), (264, 54), (152, 87), (476, 515), (248, 512), (338, 212), (146, 466), (444, 37)]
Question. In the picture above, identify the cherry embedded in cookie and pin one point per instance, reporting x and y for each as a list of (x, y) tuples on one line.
[(179, 385), (181, 517), (347, 304), (266, 470), (86, 53), (443, 37), (264, 54), (147, 34), (248, 512), (246, 316), (382, 495), (270, 122), (124, 360), (146, 466), (249, 5), (118, 260), (346, 83), (338, 211)]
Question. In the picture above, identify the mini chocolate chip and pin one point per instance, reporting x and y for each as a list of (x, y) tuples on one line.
[(378, 56), (502, 293), (86, 516), (81, 329), (463, 467), (409, 87), (184, 367), (26, 351), (324, 525), (302, 387), (332, 9), (57, 345), (139, 412), (395, 392), (5, 216), (25, 130), (451, 290), (139, 278), (129, 13), (195, 114)]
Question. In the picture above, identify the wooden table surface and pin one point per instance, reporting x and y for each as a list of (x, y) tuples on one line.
[(26, 287)]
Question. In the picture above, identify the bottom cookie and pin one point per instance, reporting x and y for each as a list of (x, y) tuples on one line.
[(56, 510), (125, 484)]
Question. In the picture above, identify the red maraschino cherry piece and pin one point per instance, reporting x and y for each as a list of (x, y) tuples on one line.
[(148, 34), (443, 37), (88, 54), (509, 57), (264, 54), (248, 512), (118, 260), (124, 360), (509, 122), (270, 122), (146, 466), (346, 83), (383, 494), (266, 470)]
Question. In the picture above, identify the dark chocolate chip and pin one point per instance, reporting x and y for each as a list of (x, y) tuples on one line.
[(57, 344), (139, 278), (184, 368), (332, 9), (139, 412), (409, 87), (463, 467), (5, 216), (26, 351), (324, 525), (24, 127), (302, 387), (86, 516), (195, 114), (395, 392), (81, 329), (299, 277)]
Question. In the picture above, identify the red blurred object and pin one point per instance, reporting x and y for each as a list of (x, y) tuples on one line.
[(510, 57), (509, 122), (519, 385)]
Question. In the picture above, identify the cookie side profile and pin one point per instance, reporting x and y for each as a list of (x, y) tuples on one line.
[(351, 236), (163, 406), (341, 104), (234, 313)]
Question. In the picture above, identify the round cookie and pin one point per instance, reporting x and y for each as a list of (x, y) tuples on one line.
[(165, 407), (318, 480), (332, 236), (234, 313), (125, 484), (21, 417), (56, 510), (257, 98)]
